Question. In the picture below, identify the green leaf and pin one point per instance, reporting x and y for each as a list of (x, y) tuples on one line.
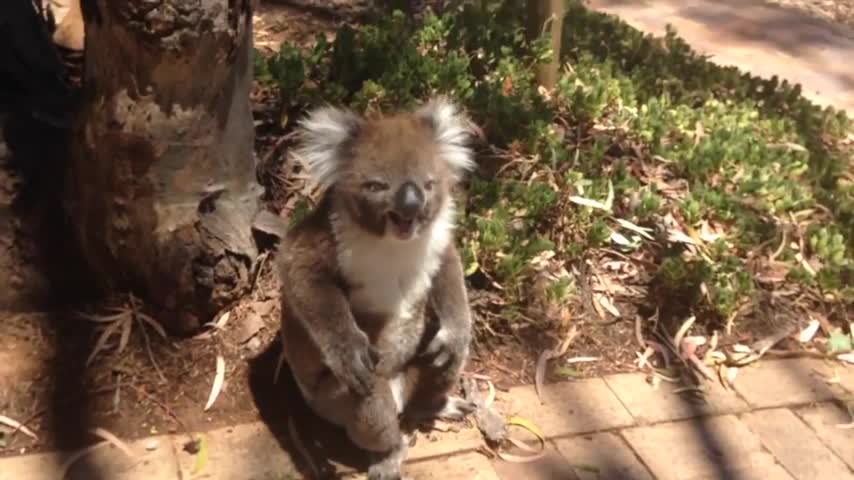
[(202, 455), (567, 372), (839, 342)]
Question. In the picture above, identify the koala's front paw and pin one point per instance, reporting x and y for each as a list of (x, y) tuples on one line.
[(356, 367), (448, 347)]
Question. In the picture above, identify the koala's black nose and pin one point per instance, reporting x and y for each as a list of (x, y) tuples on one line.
[(408, 200)]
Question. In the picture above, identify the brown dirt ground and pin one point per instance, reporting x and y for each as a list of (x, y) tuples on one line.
[(45, 384)]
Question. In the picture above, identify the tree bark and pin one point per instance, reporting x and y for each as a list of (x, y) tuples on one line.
[(547, 14), (162, 187)]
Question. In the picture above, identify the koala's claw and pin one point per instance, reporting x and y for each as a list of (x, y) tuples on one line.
[(445, 348), (358, 372), (456, 409), (389, 467)]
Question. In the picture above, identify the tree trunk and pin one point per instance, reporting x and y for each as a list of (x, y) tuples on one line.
[(162, 185), (542, 15)]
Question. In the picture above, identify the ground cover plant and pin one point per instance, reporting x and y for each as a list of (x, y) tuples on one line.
[(651, 187)]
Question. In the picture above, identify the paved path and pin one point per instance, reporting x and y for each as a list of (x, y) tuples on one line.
[(764, 39), (780, 422)]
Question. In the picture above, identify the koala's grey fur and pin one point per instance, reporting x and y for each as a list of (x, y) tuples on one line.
[(376, 324)]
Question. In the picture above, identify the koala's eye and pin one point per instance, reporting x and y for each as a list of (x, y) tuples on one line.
[(429, 185), (374, 186)]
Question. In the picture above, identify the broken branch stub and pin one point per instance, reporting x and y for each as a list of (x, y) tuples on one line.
[(162, 188)]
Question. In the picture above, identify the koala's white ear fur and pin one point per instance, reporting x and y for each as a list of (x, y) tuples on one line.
[(452, 129), (324, 132)]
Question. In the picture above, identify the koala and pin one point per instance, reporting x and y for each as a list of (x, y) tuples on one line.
[(376, 324)]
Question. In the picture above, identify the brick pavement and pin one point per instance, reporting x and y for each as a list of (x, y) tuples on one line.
[(780, 422), (756, 36)]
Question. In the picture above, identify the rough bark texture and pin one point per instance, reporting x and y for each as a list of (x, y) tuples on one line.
[(547, 16), (162, 185)]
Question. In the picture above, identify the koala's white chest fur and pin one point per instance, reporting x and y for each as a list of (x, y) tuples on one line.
[(389, 276)]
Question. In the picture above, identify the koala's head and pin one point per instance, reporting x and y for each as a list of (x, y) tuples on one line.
[(393, 175)]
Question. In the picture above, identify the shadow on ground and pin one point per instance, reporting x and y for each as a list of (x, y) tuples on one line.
[(319, 443), (37, 153)]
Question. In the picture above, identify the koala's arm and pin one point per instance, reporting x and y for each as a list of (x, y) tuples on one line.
[(449, 300), (311, 291)]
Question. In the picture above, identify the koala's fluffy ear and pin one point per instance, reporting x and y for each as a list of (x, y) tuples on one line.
[(323, 134), (452, 128)]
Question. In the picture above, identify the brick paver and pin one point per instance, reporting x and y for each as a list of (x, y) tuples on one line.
[(779, 383), (651, 405), (246, 451), (602, 455), (552, 466), (824, 420), (568, 407), (470, 466), (43, 466), (437, 443), (713, 447), (795, 445), (595, 430)]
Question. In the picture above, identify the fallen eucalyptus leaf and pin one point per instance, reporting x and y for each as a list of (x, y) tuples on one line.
[(17, 426), (218, 380), (809, 332)]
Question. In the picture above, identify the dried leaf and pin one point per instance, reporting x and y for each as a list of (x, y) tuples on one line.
[(531, 427), (609, 200), (490, 397), (677, 339), (787, 146), (677, 236), (220, 322), (608, 305), (589, 203), (17, 426), (644, 232), (218, 380), (296, 439), (104, 319), (809, 332), (582, 359), (621, 239), (509, 457), (153, 324), (123, 342), (540, 372), (71, 460), (101, 343), (109, 437), (279, 363), (741, 348), (527, 425)]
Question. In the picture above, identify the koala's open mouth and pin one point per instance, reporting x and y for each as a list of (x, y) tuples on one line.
[(403, 228)]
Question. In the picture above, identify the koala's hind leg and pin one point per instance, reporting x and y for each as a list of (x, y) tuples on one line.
[(371, 422), (429, 391)]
